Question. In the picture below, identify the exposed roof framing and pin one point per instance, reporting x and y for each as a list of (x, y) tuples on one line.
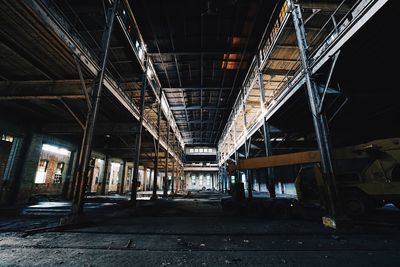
[(201, 59)]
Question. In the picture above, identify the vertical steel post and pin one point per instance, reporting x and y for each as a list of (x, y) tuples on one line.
[(319, 119), (105, 174), (266, 132), (145, 177), (268, 152), (178, 177), (173, 177), (237, 174), (223, 178), (165, 189), (247, 144), (86, 148), (157, 149), (138, 141), (74, 185), (122, 184)]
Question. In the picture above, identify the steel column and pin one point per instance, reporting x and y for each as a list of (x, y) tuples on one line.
[(105, 174), (173, 177), (247, 144), (268, 152), (122, 184), (74, 184), (86, 147), (319, 119), (270, 183), (138, 141), (145, 177), (237, 174), (165, 189), (157, 148)]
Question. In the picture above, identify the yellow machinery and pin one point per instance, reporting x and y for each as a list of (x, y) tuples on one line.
[(367, 175)]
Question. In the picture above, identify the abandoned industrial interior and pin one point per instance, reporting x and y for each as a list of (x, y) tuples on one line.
[(199, 133)]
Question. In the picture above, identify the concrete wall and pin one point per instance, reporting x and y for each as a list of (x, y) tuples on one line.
[(27, 185), (5, 149)]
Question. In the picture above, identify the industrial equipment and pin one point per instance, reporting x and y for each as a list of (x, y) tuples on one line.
[(367, 175)]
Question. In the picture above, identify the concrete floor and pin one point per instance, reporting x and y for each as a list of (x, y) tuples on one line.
[(187, 232)]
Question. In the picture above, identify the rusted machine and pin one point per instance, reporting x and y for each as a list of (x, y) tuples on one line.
[(367, 175)]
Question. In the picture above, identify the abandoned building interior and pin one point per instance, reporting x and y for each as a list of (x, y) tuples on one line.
[(199, 133)]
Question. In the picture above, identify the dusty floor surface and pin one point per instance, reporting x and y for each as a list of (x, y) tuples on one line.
[(193, 233)]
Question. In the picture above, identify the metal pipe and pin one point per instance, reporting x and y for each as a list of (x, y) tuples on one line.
[(319, 119), (86, 147)]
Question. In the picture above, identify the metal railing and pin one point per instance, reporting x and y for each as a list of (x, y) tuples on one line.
[(335, 25)]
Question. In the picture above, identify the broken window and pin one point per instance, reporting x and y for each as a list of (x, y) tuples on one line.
[(58, 173), (7, 138), (41, 171)]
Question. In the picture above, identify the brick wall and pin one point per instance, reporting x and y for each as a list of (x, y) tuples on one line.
[(49, 187)]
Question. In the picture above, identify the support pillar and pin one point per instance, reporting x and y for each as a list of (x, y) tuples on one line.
[(179, 181), (145, 177), (157, 149), (247, 145), (138, 141), (105, 176), (270, 183), (165, 189), (237, 174), (173, 177), (74, 185), (319, 119), (122, 184), (86, 148)]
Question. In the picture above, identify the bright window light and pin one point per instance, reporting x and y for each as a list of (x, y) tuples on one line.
[(149, 73), (54, 149), (141, 54)]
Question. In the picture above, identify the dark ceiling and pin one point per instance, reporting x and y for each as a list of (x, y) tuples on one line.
[(201, 51)]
